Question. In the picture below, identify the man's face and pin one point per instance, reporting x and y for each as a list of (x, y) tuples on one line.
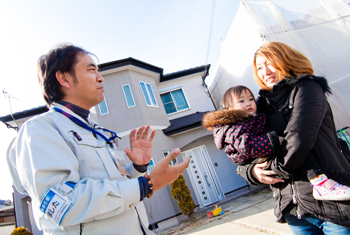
[(87, 91)]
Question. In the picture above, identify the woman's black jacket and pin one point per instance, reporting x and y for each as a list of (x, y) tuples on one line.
[(297, 109)]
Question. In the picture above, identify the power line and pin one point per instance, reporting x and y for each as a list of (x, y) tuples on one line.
[(210, 30)]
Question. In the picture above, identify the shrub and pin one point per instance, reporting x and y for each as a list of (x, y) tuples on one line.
[(181, 193), (21, 231)]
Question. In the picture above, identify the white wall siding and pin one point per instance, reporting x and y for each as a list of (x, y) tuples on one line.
[(121, 117), (197, 99)]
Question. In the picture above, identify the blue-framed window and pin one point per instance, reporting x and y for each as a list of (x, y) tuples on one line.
[(150, 166), (148, 94), (103, 107), (174, 101), (128, 96)]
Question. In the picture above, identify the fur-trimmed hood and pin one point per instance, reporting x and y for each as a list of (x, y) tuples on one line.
[(223, 117)]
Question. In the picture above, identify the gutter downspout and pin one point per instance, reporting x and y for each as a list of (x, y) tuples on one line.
[(206, 89)]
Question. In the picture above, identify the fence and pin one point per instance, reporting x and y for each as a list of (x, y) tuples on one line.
[(344, 134)]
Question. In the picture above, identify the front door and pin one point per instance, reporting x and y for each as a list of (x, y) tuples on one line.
[(203, 176)]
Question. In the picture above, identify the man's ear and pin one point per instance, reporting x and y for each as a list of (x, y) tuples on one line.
[(62, 78)]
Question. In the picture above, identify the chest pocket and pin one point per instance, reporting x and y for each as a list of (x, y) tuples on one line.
[(94, 158)]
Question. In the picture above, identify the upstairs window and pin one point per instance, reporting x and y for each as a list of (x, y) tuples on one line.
[(150, 166), (128, 96), (148, 94), (103, 107), (174, 101)]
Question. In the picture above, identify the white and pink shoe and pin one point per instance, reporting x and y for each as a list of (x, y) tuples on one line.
[(328, 189)]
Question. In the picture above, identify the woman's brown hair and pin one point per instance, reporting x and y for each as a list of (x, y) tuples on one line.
[(288, 61)]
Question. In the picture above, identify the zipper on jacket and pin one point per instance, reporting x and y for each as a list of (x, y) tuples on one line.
[(268, 103), (295, 201)]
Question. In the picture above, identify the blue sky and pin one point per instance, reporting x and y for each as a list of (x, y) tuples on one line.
[(173, 35)]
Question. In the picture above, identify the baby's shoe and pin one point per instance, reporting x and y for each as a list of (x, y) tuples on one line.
[(328, 189)]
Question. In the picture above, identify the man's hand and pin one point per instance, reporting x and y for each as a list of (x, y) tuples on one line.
[(263, 175), (163, 173), (140, 152)]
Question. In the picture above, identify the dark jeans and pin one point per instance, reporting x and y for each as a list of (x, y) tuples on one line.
[(313, 225)]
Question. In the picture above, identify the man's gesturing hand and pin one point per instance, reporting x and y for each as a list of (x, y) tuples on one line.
[(140, 151), (163, 173)]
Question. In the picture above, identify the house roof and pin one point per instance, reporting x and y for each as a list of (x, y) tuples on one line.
[(130, 61), (22, 114), (5, 203), (152, 68), (184, 123), (182, 73), (25, 113)]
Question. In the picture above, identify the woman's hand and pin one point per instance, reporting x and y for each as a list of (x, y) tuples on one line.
[(264, 175), (281, 139)]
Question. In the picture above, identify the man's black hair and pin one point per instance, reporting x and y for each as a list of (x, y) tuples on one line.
[(62, 58)]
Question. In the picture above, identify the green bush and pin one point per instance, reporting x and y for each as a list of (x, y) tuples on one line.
[(181, 193), (21, 231)]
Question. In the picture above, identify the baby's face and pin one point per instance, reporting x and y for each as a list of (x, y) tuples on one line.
[(246, 102)]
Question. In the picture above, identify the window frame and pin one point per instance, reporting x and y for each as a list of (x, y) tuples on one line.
[(154, 164), (132, 96), (170, 91), (148, 95), (99, 107)]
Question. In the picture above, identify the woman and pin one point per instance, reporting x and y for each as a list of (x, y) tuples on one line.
[(296, 107)]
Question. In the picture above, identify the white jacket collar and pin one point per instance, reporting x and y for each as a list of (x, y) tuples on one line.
[(90, 122)]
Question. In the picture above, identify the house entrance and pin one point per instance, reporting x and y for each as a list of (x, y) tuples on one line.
[(203, 176)]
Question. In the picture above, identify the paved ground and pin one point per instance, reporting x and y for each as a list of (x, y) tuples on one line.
[(248, 214)]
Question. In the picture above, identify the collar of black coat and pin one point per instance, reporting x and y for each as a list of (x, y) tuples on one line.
[(297, 82), (223, 117), (283, 88)]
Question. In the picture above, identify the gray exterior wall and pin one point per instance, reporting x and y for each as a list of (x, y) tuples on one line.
[(120, 117)]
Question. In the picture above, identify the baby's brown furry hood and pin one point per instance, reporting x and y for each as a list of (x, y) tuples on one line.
[(223, 117)]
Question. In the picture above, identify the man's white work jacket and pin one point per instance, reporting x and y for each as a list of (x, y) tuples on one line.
[(47, 153)]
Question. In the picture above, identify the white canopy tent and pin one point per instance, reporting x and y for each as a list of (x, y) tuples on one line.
[(318, 28)]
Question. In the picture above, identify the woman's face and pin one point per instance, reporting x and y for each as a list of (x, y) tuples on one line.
[(266, 72)]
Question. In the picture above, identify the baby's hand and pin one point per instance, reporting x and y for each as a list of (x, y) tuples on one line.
[(281, 139)]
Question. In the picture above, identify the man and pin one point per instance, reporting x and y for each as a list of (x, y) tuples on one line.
[(76, 178)]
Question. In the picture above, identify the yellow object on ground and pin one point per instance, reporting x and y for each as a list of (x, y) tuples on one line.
[(217, 210)]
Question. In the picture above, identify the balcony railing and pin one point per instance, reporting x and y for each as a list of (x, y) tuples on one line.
[(344, 134)]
